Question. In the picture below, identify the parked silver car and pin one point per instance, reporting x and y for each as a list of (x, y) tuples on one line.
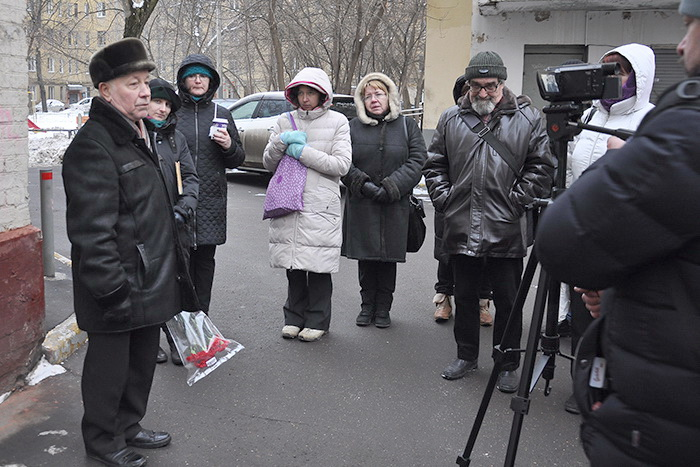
[(257, 113)]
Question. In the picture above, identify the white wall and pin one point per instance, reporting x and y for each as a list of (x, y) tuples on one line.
[(14, 198), (508, 33)]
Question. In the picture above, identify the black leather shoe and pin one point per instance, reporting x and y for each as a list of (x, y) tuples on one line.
[(508, 381), (459, 369), (382, 319), (571, 406), (564, 328), (124, 457), (162, 356), (175, 357), (149, 439), (365, 317)]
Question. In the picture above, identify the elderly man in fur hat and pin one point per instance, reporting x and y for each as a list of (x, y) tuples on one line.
[(483, 191), (124, 261)]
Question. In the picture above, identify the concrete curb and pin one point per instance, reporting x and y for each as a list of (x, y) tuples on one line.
[(63, 340)]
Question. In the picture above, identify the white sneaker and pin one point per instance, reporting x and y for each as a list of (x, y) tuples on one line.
[(311, 335), (290, 332)]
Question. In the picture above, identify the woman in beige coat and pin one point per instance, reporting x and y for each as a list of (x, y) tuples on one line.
[(307, 242)]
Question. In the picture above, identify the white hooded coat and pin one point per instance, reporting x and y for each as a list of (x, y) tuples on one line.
[(589, 146), (310, 239)]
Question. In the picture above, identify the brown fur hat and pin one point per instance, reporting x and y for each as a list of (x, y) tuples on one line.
[(118, 59)]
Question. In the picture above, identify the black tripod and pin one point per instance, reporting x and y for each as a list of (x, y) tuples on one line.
[(562, 126)]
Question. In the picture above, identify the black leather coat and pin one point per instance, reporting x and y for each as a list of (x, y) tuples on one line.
[(481, 197), (121, 227), (194, 120)]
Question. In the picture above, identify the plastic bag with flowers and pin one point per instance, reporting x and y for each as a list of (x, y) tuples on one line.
[(200, 344)]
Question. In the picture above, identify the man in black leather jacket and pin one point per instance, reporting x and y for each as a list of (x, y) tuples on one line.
[(121, 226), (484, 203)]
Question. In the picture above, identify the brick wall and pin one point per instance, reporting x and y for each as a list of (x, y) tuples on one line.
[(21, 268)]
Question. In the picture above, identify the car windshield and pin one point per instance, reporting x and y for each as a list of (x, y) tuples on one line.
[(273, 107), (245, 110)]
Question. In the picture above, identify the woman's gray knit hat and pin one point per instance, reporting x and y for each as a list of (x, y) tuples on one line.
[(486, 65), (690, 8)]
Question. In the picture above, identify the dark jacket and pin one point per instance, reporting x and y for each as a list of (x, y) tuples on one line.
[(389, 152), (211, 161), (481, 197), (121, 227), (631, 225), (170, 147)]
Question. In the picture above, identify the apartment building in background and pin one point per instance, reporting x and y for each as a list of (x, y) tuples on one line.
[(62, 36)]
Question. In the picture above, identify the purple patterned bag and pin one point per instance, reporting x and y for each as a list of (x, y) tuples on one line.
[(285, 192)]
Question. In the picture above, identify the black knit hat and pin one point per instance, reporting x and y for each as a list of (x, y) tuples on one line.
[(161, 89), (118, 59), (486, 65)]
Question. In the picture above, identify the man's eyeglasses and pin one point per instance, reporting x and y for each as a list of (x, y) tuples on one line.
[(370, 97), (490, 87)]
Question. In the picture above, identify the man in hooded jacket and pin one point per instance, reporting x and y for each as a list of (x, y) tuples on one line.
[(197, 82), (631, 225)]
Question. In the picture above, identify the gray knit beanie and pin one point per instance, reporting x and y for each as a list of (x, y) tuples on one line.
[(486, 65), (690, 8)]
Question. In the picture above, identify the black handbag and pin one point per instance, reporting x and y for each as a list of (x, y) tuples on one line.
[(416, 225)]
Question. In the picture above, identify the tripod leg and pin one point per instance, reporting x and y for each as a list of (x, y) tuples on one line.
[(518, 304)]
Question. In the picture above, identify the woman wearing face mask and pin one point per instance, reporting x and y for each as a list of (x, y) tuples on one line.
[(170, 147), (307, 242), (388, 152), (637, 67)]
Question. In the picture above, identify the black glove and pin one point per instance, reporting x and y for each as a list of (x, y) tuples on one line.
[(181, 215), (382, 196), (369, 190)]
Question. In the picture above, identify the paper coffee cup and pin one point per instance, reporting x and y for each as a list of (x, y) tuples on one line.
[(216, 124)]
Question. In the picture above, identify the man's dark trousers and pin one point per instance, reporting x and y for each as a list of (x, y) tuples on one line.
[(504, 274), (117, 377)]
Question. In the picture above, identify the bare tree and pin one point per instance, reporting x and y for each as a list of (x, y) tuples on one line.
[(136, 15)]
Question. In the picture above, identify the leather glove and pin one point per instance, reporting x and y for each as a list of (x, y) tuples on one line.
[(296, 136), (181, 215), (369, 190), (382, 196), (295, 149)]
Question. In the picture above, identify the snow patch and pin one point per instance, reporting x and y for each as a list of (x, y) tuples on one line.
[(54, 432), (3, 397), (53, 450), (42, 371)]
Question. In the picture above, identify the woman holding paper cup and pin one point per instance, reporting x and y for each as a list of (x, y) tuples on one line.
[(178, 171), (215, 146), (307, 242)]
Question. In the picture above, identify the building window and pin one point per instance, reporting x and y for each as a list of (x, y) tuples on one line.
[(60, 66), (51, 65), (87, 8), (51, 92), (70, 66), (87, 38), (31, 63), (49, 8), (59, 9), (73, 38), (75, 10), (32, 93), (101, 38), (101, 10)]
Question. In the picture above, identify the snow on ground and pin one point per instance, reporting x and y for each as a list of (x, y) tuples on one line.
[(46, 147)]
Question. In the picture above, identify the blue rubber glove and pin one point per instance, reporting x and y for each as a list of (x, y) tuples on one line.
[(295, 149), (296, 136)]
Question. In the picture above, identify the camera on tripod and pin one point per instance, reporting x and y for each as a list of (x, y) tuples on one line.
[(579, 83)]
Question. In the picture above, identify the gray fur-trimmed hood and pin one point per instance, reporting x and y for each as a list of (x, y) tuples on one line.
[(394, 103)]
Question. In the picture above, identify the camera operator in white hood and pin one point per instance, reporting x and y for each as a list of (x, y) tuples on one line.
[(638, 65)]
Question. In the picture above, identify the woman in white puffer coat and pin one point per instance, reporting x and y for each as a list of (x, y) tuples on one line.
[(637, 63), (307, 243)]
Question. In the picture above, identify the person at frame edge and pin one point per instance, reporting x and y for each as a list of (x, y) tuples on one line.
[(444, 287), (307, 243), (637, 67), (484, 203), (170, 147), (125, 263), (388, 152), (631, 225), (197, 83)]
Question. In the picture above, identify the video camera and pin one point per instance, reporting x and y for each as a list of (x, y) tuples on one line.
[(579, 83)]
